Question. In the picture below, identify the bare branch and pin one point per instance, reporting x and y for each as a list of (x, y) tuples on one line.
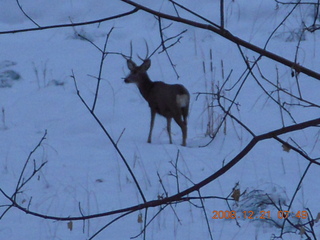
[(226, 34), (19, 5), (103, 57), (71, 24), (114, 144), (22, 182)]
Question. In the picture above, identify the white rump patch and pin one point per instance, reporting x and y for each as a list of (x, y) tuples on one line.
[(182, 100)]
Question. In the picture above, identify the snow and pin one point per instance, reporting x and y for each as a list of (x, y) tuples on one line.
[(84, 174)]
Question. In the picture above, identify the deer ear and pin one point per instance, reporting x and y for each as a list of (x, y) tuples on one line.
[(146, 64), (131, 65)]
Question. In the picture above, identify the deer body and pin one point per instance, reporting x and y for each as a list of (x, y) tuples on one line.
[(170, 101)]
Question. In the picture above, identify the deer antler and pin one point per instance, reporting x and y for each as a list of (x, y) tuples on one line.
[(125, 56), (147, 57), (131, 49)]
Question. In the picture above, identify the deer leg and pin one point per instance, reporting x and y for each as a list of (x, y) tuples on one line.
[(183, 127), (153, 114), (185, 111), (169, 129)]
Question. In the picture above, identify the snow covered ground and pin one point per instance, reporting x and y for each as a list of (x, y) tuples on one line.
[(83, 169)]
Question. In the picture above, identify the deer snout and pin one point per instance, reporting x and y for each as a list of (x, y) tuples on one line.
[(126, 80), (129, 79)]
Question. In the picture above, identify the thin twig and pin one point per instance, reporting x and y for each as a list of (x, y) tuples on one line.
[(21, 182), (34, 22), (71, 24), (110, 138), (103, 57), (165, 49)]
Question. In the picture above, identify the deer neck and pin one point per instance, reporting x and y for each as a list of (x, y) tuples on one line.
[(145, 86)]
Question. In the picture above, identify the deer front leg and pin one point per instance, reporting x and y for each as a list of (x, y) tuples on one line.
[(169, 129), (153, 114)]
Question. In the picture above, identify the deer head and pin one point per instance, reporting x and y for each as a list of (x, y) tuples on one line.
[(137, 73)]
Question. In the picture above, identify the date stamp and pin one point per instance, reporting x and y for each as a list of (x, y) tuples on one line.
[(257, 215)]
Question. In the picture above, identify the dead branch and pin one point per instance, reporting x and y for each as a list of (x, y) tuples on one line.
[(226, 34)]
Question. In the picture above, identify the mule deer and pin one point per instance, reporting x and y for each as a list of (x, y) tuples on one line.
[(170, 101)]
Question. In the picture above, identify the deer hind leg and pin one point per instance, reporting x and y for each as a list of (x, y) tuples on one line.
[(183, 126), (153, 114), (185, 111), (169, 129)]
